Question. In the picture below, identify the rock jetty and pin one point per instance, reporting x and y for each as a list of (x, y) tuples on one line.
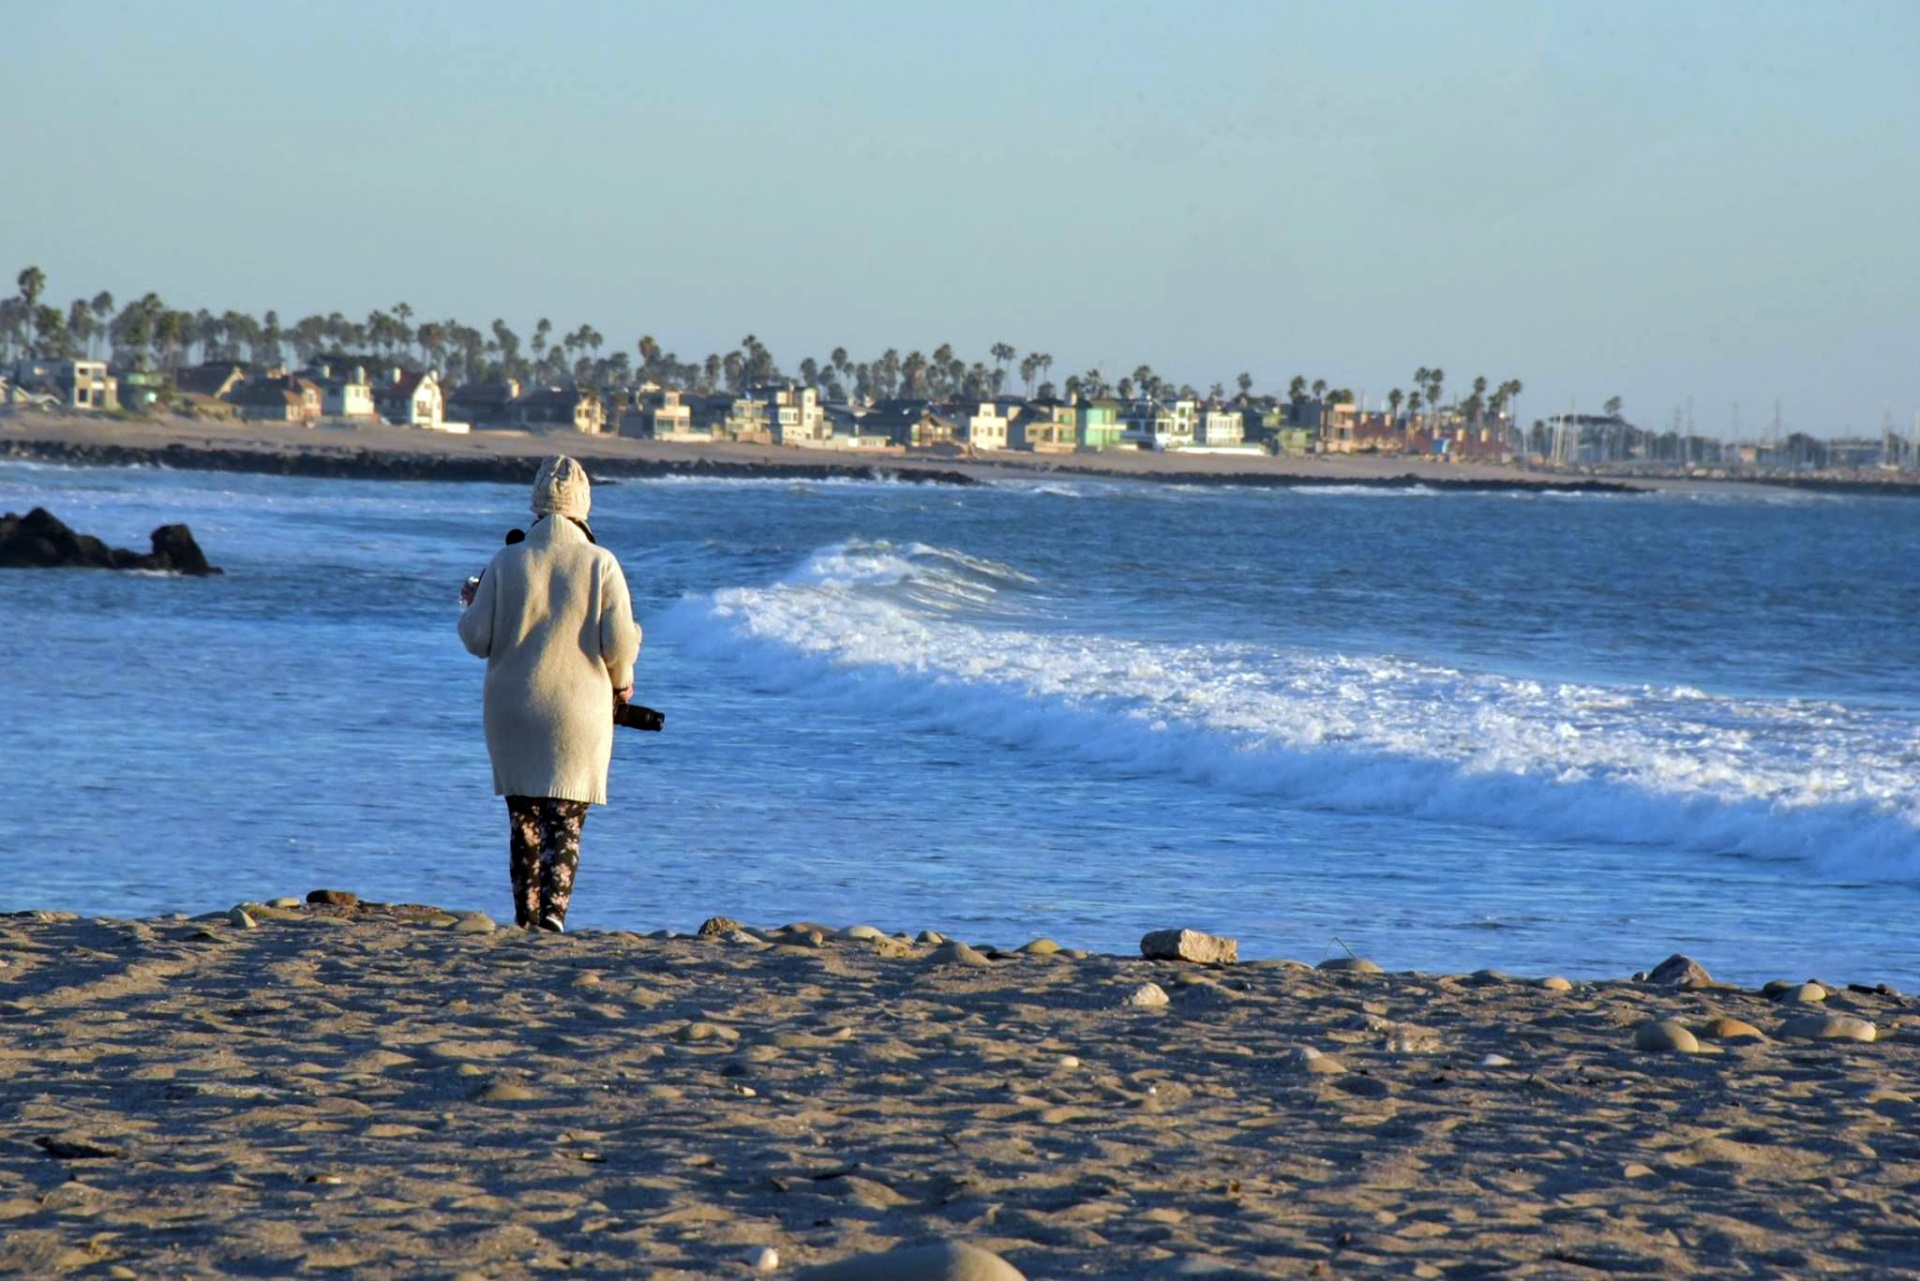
[(40, 540)]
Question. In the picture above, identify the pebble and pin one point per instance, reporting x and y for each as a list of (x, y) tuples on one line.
[(1679, 971), (1350, 965), (866, 933), (1800, 993), (1554, 983), (706, 1032), (240, 916), (284, 902), (475, 923), (1496, 1061), (1724, 1028), (719, 927), (440, 920), (945, 1261), (929, 936), (1190, 945), (1146, 996), (765, 1259), (334, 898), (1304, 1058), (1828, 1027), (504, 1092), (1488, 978), (1665, 1035), (1040, 947), (958, 953), (1069, 1062)]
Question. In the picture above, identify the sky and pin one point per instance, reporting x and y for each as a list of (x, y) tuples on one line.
[(1704, 205)]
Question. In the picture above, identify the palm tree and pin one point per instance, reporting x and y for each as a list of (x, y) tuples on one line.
[(33, 283), (1003, 354), (1395, 399)]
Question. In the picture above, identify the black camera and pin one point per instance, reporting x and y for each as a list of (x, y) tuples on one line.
[(634, 716)]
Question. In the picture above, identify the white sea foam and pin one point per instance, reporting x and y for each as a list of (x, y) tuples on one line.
[(930, 638)]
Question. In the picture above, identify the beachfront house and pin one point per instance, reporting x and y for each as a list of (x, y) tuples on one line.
[(1099, 425), (71, 384), (794, 415), (486, 406), (286, 399), (664, 414), (988, 425), (345, 393), (1217, 427), (1047, 425), (412, 398), (214, 379), (546, 409), (1159, 424), (912, 423)]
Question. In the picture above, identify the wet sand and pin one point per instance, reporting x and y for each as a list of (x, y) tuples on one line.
[(380, 1094)]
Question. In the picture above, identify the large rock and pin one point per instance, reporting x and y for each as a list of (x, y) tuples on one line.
[(1666, 1035), (1190, 945), (947, 1261), (1679, 971), (1828, 1027), (39, 540)]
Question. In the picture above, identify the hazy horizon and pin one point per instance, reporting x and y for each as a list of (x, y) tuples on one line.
[(1704, 204)]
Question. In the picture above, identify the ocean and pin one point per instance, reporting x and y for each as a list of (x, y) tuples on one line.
[(1543, 733)]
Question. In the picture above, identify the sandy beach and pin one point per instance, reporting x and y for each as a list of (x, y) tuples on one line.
[(403, 1092)]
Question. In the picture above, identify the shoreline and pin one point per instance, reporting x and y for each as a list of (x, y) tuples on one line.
[(392, 1089), (391, 453)]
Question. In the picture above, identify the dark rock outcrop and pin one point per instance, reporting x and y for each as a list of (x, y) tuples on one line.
[(39, 540)]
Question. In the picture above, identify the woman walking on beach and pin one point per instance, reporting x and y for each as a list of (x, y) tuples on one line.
[(552, 617)]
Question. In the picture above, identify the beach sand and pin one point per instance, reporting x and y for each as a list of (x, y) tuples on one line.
[(384, 1093)]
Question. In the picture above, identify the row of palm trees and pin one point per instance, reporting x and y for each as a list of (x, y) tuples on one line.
[(147, 333)]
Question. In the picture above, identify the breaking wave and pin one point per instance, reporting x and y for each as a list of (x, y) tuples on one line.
[(932, 639)]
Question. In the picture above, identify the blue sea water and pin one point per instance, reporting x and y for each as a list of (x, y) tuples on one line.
[(1546, 733)]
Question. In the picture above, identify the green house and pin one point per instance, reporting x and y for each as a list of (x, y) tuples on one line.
[(1098, 423)]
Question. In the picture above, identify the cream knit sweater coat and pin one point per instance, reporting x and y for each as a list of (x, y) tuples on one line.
[(553, 620)]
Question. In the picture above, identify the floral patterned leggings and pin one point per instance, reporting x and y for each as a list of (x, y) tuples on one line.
[(545, 847)]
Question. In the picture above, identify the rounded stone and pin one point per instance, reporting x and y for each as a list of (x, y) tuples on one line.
[(475, 923), (1665, 1035), (958, 953), (1679, 971), (705, 1032), (241, 917), (1800, 994), (865, 933), (946, 1261), (719, 927), (284, 902), (1726, 1028), (930, 936), (1146, 996), (334, 898), (1306, 1059), (1554, 983), (765, 1259), (1828, 1027), (1349, 965), (504, 1092), (1040, 947)]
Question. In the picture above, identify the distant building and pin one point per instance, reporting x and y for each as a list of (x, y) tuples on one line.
[(1099, 422), (1160, 425), (794, 415), (662, 414), (71, 384), (487, 406), (913, 424), (412, 398), (1219, 428), (215, 378), (1046, 425), (560, 409), (345, 392), (988, 426), (287, 399)]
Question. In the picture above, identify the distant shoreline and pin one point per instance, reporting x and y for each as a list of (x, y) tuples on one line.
[(395, 453)]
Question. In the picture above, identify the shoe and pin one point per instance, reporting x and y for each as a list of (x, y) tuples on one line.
[(553, 925)]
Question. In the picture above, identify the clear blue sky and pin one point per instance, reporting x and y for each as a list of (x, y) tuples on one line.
[(1714, 199)]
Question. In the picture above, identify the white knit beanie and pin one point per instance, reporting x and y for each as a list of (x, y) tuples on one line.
[(561, 489)]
